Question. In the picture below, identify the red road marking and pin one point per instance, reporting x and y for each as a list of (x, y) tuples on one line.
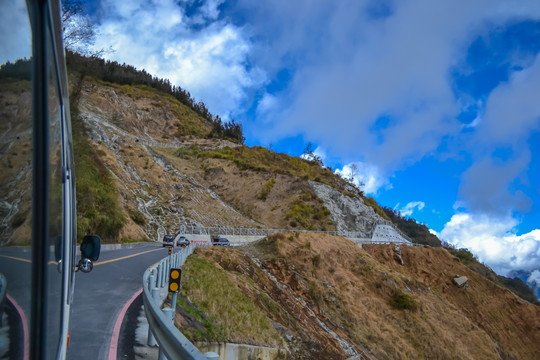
[(113, 347), (26, 341)]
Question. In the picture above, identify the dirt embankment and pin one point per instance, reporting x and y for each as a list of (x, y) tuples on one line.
[(511, 322), (331, 299)]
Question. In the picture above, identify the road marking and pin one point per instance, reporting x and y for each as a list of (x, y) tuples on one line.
[(113, 347), (26, 333), (16, 258), (98, 263), (125, 257)]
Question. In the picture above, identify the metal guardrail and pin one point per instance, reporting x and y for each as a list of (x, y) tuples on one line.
[(172, 343)]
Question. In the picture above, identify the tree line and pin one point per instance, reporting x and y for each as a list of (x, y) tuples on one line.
[(122, 74), (418, 233)]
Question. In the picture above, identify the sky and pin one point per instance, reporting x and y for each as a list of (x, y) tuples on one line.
[(435, 102)]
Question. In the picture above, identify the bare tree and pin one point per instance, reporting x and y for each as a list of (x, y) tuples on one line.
[(78, 30), (353, 175), (309, 155)]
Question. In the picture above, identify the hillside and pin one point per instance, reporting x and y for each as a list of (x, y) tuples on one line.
[(170, 170), (330, 299), (150, 159)]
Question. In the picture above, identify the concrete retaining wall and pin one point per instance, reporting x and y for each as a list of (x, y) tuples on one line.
[(234, 239), (387, 233)]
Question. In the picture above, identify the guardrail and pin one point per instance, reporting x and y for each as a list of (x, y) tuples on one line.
[(161, 331), (232, 231)]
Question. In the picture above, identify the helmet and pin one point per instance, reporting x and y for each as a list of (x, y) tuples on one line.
[(85, 265)]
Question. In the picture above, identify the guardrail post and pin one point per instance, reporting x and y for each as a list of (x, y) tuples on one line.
[(155, 295), (164, 272), (169, 314), (154, 274), (151, 281), (159, 275)]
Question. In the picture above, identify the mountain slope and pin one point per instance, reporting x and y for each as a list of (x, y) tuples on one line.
[(169, 170), (331, 299)]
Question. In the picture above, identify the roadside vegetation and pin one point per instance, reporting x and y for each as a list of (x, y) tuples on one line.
[(98, 208), (260, 159), (229, 315), (308, 212)]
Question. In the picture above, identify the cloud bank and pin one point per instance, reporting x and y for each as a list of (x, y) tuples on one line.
[(380, 84), (199, 52), (490, 240)]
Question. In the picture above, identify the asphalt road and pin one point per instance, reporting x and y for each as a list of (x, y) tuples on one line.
[(101, 294)]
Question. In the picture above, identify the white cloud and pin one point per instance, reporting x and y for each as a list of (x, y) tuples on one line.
[(494, 242), (534, 282), (353, 69), (367, 177), (512, 109), (534, 278), (320, 152), (485, 186), (348, 70), (266, 104), (210, 9), (511, 114), (434, 232), (408, 209), (15, 40), (202, 54)]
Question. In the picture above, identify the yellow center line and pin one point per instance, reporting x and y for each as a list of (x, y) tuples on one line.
[(125, 257), (99, 263), (16, 258)]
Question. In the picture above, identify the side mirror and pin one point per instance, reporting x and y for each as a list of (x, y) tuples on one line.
[(90, 249)]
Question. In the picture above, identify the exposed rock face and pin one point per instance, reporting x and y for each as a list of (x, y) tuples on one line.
[(349, 214), (125, 130)]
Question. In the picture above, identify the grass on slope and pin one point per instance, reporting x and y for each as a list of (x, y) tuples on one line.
[(98, 208), (189, 123), (229, 314), (260, 159)]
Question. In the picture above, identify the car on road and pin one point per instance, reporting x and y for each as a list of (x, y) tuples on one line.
[(168, 240), (221, 241), (182, 241)]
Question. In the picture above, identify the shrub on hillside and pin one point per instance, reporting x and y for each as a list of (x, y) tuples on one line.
[(402, 301)]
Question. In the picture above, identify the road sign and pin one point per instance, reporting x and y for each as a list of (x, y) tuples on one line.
[(174, 279)]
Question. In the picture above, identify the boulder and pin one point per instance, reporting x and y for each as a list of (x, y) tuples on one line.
[(460, 281)]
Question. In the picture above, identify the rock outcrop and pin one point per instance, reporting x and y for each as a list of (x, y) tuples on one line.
[(461, 281), (349, 214)]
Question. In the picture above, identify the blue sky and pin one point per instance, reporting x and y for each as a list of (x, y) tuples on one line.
[(436, 102)]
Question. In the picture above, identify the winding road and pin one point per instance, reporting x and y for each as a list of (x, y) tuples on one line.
[(100, 297)]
